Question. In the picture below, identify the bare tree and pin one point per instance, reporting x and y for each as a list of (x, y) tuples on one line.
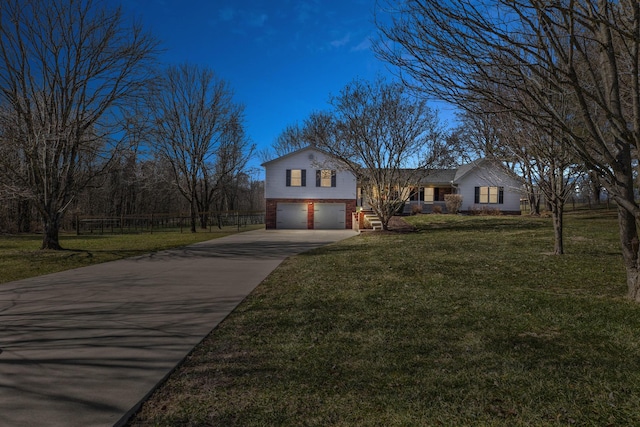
[(388, 138), (291, 138), (538, 154), (196, 123), (551, 168), (221, 178), (587, 52), (66, 68)]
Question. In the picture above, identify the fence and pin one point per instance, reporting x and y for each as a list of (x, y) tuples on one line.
[(87, 224)]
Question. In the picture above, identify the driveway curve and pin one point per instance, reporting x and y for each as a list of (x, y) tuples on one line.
[(84, 347)]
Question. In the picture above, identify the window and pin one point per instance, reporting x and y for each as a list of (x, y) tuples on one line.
[(432, 195), (489, 195), (416, 194), (325, 178), (296, 178), (428, 195)]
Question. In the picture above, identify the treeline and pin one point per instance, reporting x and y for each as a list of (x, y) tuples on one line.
[(91, 123), (134, 187)]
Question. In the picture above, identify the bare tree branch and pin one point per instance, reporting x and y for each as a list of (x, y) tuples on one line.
[(66, 68), (196, 125), (521, 56)]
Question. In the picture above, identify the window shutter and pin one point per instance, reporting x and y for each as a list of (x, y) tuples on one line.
[(304, 177), (333, 178), (436, 194), (501, 195), (318, 178), (477, 195), (288, 177)]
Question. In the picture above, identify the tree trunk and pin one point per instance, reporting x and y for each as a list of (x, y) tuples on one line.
[(204, 220), (194, 215), (557, 214), (50, 239), (24, 216), (629, 243), (633, 284), (534, 204)]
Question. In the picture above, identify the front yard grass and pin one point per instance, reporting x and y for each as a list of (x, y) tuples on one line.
[(468, 322), (20, 257)]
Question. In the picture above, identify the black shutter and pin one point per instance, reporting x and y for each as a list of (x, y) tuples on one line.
[(318, 178), (436, 194), (501, 195), (288, 177), (477, 195), (333, 178), (304, 177)]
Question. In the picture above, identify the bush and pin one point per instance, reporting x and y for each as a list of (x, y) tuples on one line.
[(437, 209), (453, 202), (416, 209)]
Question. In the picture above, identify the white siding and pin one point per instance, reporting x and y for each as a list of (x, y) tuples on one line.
[(275, 178), (485, 175)]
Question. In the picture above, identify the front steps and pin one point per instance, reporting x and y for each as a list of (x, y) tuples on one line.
[(373, 220)]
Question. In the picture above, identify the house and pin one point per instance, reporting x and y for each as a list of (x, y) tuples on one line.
[(483, 184), (308, 189)]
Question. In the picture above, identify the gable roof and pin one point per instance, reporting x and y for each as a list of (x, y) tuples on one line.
[(465, 169), (455, 175), (497, 165), (301, 150)]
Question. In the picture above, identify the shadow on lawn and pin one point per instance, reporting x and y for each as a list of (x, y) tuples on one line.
[(484, 224)]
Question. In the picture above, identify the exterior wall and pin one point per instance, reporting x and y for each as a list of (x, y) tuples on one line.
[(487, 176), (275, 177), (309, 159), (272, 205)]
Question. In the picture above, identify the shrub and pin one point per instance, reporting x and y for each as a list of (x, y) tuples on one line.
[(416, 209), (437, 209), (453, 202)]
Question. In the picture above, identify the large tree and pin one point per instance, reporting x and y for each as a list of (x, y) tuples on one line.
[(221, 178), (66, 68), (551, 168), (538, 154), (197, 125), (385, 135), (586, 52)]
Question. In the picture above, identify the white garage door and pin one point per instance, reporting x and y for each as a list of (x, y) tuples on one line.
[(329, 216), (291, 216)]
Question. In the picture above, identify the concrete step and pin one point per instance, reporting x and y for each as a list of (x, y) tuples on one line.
[(374, 221)]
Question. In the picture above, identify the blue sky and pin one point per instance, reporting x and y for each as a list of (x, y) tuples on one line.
[(283, 58)]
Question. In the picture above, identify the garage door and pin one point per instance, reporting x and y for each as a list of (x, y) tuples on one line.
[(329, 216), (291, 216)]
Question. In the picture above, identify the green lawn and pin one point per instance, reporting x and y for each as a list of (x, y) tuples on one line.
[(469, 321), (20, 257)]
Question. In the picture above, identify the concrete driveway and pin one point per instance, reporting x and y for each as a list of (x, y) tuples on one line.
[(85, 346)]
